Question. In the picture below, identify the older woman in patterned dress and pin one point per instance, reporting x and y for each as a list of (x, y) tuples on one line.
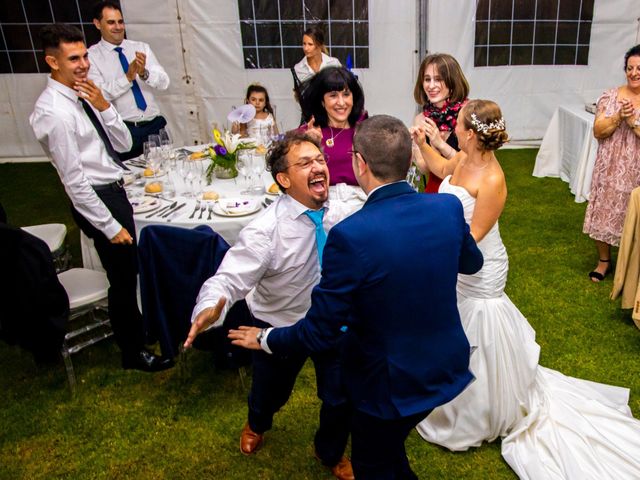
[(617, 169)]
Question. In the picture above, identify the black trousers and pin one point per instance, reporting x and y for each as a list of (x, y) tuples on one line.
[(377, 446), (140, 134), (272, 383), (121, 265)]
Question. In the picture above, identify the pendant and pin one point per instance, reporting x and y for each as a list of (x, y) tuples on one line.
[(329, 142)]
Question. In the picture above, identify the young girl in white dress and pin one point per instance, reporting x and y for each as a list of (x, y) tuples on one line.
[(263, 124), (552, 426)]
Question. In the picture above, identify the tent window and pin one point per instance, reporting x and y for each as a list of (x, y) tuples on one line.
[(532, 32), (272, 30), (20, 25)]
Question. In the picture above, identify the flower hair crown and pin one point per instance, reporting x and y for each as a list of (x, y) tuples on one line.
[(483, 127)]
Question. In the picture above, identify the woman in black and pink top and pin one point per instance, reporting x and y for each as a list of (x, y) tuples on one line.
[(441, 89)]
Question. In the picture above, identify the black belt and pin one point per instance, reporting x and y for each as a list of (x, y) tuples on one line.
[(115, 186), (141, 123)]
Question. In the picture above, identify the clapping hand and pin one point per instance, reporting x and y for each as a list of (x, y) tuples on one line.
[(313, 131), (418, 134), (90, 92), (626, 112), (204, 320)]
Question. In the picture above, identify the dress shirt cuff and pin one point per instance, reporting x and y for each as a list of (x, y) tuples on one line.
[(112, 229), (109, 115), (263, 343)]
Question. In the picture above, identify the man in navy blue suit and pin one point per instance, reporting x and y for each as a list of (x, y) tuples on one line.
[(388, 288)]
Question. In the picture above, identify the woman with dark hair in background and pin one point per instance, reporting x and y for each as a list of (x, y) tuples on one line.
[(617, 168), (315, 55), (333, 100), (441, 90)]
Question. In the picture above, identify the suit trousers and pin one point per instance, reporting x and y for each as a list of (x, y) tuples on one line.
[(272, 383), (121, 264), (377, 446), (140, 134)]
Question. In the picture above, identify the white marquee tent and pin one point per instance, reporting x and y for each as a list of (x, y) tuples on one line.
[(209, 77)]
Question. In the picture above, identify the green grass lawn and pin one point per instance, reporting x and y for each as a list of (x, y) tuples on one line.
[(126, 424)]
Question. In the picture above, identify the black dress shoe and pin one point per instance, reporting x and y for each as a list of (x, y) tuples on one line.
[(146, 362)]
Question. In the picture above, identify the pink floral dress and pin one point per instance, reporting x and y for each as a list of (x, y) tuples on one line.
[(616, 172)]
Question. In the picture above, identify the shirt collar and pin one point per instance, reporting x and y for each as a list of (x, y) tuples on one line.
[(109, 46), (70, 93), (298, 208)]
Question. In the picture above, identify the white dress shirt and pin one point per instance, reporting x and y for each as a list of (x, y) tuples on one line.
[(106, 71), (274, 264), (77, 152), (304, 71)]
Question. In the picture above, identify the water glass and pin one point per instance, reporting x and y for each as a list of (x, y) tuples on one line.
[(258, 167)]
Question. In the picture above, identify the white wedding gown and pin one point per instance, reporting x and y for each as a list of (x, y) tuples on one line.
[(554, 426)]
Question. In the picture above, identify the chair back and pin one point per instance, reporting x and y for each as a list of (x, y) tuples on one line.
[(174, 263)]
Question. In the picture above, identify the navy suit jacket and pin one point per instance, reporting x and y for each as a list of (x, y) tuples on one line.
[(389, 275)]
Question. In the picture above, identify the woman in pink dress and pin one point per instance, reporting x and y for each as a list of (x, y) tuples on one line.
[(617, 169)]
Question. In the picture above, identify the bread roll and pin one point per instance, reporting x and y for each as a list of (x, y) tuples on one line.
[(210, 195), (153, 187), (274, 188)]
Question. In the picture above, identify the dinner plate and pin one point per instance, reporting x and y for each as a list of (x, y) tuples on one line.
[(236, 207), (144, 204)]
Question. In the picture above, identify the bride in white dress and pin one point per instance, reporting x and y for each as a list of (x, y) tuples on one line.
[(552, 426)]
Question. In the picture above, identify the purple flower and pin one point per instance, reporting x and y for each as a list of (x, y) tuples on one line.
[(220, 150)]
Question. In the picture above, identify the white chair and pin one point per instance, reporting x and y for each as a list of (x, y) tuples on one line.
[(87, 291), (54, 235)]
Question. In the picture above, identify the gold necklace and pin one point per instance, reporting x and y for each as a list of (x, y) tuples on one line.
[(329, 142)]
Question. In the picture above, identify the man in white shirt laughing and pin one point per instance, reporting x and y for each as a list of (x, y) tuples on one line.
[(81, 133), (275, 264), (127, 72)]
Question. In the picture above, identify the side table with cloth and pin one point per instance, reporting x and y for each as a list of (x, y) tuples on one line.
[(568, 149), (627, 277), (174, 263)]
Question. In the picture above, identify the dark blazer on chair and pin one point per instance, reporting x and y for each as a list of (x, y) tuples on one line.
[(389, 276)]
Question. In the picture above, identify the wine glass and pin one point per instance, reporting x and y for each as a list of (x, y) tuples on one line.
[(243, 165)]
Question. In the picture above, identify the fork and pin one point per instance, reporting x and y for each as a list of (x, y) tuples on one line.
[(210, 211), (195, 209), (203, 208)]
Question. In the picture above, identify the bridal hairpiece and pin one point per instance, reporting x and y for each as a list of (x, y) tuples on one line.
[(483, 127)]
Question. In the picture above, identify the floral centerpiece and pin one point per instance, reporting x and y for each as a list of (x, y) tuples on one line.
[(224, 154)]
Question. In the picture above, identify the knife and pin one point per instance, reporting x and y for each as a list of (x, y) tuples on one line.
[(161, 209), (172, 210)]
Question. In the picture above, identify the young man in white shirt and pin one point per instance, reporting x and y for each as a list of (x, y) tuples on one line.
[(81, 133), (130, 88), (275, 264)]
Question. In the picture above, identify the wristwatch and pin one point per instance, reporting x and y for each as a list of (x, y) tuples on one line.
[(145, 75), (260, 336)]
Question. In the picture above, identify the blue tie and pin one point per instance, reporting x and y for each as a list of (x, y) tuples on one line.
[(321, 236), (135, 88)]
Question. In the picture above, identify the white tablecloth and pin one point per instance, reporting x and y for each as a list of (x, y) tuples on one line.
[(568, 149), (229, 228)]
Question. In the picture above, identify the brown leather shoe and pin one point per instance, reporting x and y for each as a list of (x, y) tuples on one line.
[(343, 470), (251, 441)]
